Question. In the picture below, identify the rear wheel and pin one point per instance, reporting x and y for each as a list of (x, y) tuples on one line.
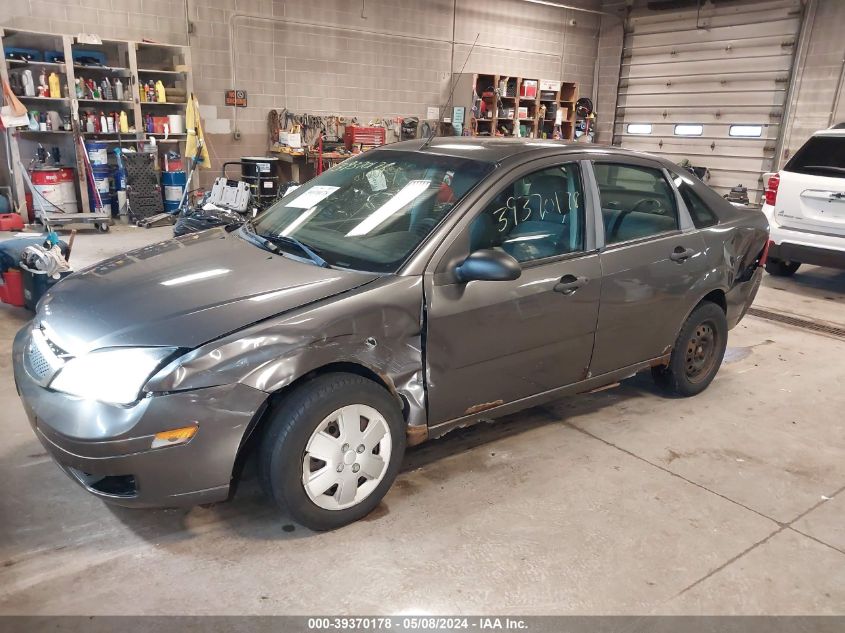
[(781, 268), (697, 353), (332, 450)]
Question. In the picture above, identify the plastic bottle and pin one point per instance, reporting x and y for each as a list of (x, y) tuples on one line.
[(161, 96), (124, 123), (28, 84), (118, 89), (80, 91), (55, 86), (110, 123), (104, 125)]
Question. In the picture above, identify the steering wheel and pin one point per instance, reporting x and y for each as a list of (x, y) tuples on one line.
[(377, 199), (658, 206), (624, 214)]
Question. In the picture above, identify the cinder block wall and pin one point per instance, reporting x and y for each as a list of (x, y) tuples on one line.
[(364, 58), (817, 77)]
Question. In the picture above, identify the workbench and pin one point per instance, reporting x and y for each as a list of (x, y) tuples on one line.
[(296, 162)]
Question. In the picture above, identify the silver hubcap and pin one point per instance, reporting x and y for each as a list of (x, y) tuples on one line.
[(346, 457)]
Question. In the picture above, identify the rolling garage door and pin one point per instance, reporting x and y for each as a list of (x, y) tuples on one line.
[(707, 82)]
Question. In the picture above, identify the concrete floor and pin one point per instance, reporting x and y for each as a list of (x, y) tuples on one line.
[(621, 502)]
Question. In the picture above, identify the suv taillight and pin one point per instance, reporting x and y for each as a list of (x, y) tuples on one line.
[(772, 189)]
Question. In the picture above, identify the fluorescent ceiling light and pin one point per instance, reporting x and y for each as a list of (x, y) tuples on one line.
[(458, 146), (408, 193), (298, 221), (205, 274), (526, 238)]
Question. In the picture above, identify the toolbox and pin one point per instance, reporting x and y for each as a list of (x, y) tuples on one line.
[(359, 135), (25, 54)]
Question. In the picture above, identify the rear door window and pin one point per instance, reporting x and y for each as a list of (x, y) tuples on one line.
[(820, 156), (702, 215), (636, 202)]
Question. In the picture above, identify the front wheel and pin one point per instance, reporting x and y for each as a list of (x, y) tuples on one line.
[(697, 353), (332, 450), (781, 268)]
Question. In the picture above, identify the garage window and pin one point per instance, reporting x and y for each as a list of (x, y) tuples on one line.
[(689, 129), (638, 128), (746, 131), (636, 202)]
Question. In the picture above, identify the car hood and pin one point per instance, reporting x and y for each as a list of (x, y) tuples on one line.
[(182, 293)]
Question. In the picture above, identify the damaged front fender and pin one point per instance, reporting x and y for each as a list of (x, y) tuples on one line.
[(377, 327)]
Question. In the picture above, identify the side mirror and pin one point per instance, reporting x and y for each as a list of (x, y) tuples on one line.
[(488, 265)]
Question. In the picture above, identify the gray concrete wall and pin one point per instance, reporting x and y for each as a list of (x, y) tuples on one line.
[(817, 76), (370, 58)]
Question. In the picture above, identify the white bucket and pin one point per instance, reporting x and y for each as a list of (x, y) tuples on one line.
[(175, 124)]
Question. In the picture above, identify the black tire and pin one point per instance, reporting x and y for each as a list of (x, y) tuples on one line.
[(781, 268), (697, 353), (283, 446)]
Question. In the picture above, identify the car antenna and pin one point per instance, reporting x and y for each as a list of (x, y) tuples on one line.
[(449, 100)]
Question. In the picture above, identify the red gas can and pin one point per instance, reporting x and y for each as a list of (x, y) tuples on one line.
[(11, 290), (11, 222)]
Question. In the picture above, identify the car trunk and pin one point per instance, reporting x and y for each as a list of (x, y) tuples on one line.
[(811, 195)]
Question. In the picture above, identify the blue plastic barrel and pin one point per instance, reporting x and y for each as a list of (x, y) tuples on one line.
[(173, 185)]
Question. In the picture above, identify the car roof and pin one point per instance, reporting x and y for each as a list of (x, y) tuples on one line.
[(833, 131), (496, 149)]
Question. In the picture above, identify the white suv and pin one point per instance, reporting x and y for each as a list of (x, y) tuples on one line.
[(805, 206)]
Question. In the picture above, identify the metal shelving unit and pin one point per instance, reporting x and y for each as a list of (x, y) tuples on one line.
[(488, 88), (131, 61)]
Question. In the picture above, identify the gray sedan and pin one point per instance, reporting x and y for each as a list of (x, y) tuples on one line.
[(406, 292)]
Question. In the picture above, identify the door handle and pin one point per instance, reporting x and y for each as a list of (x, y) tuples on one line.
[(569, 284), (681, 254)]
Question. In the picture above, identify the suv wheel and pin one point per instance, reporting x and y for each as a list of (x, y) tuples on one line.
[(697, 353), (332, 450), (781, 268)]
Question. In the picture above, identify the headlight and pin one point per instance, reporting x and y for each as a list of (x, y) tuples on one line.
[(113, 375)]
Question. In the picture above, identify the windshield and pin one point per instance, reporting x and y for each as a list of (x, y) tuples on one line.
[(372, 211), (820, 156)]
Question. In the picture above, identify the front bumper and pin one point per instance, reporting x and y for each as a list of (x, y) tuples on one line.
[(106, 448)]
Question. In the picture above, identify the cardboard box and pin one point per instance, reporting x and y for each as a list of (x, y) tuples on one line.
[(291, 139), (523, 112), (550, 84)]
